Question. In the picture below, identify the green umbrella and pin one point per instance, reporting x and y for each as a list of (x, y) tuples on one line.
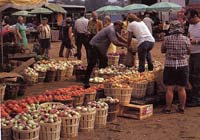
[(40, 11), (135, 8), (109, 9), (20, 13), (164, 6)]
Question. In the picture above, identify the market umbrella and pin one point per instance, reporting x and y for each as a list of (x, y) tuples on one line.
[(40, 11), (133, 8), (164, 6), (109, 9), (20, 13), (17, 4)]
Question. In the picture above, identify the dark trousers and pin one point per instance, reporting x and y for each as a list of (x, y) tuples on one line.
[(194, 78), (144, 53), (95, 56), (61, 50), (82, 39)]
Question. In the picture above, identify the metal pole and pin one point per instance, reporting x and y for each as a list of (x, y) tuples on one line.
[(1, 28)]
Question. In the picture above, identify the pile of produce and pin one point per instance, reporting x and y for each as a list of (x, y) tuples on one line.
[(24, 121), (87, 109), (40, 67), (69, 113), (109, 100), (31, 73), (98, 105), (126, 80), (7, 121), (97, 80)]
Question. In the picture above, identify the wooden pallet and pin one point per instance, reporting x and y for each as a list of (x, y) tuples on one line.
[(139, 112)]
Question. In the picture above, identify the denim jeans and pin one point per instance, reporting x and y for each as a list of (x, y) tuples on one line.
[(144, 53)]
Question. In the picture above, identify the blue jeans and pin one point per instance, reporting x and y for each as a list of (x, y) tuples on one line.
[(144, 53)]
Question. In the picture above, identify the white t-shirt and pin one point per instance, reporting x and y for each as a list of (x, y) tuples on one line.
[(194, 31), (141, 32), (81, 25), (149, 22)]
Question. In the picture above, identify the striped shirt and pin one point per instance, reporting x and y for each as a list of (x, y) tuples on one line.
[(45, 32), (176, 47)]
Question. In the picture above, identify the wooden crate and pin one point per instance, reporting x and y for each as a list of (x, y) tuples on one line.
[(87, 121), (139, 112), (6, 133), (69, 127), (50, 131), (26, 134), (101, 117)]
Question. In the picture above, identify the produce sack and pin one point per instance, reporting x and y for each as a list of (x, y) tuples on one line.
[(112, 49)]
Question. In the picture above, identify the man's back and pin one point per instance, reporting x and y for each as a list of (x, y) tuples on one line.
[(81, 25)]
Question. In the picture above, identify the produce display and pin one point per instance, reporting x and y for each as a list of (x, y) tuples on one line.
[(7, 121), (98, 105), (31, 72), (109, 100), (97, 80), (69, 113), (24, 121), (48, 118), (40, 67), (87, 109)]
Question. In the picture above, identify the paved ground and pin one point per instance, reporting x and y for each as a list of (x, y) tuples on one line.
[(159, 127)]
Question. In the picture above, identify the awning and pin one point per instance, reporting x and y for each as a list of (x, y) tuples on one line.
[(21, 4), (55, 8)]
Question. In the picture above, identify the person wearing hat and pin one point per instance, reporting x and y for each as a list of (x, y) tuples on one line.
[(176, 70), (44, 36), (99, 46), (145, 40), (67, 34)]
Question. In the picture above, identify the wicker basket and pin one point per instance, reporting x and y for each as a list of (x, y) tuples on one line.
[(65, 102), (69, 72), (41, 76), (123, 94), (26, 134), (113, 60), (87, 121), (6, 133), (112, 116), (89, 97), (60, 75), (78, 100), (30, 80), (50, 131), (101, 117), (107, 92), (11, 91), (50, 104), (139, 90), (2, 91), (150, 88), (50, 76), (69, 127)]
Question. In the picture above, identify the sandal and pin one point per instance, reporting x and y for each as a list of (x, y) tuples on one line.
[(166, 111)]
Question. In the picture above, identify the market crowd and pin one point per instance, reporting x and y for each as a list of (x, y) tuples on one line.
[(182, 52)]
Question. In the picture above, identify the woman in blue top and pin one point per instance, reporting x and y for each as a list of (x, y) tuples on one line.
[(21, 33)]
